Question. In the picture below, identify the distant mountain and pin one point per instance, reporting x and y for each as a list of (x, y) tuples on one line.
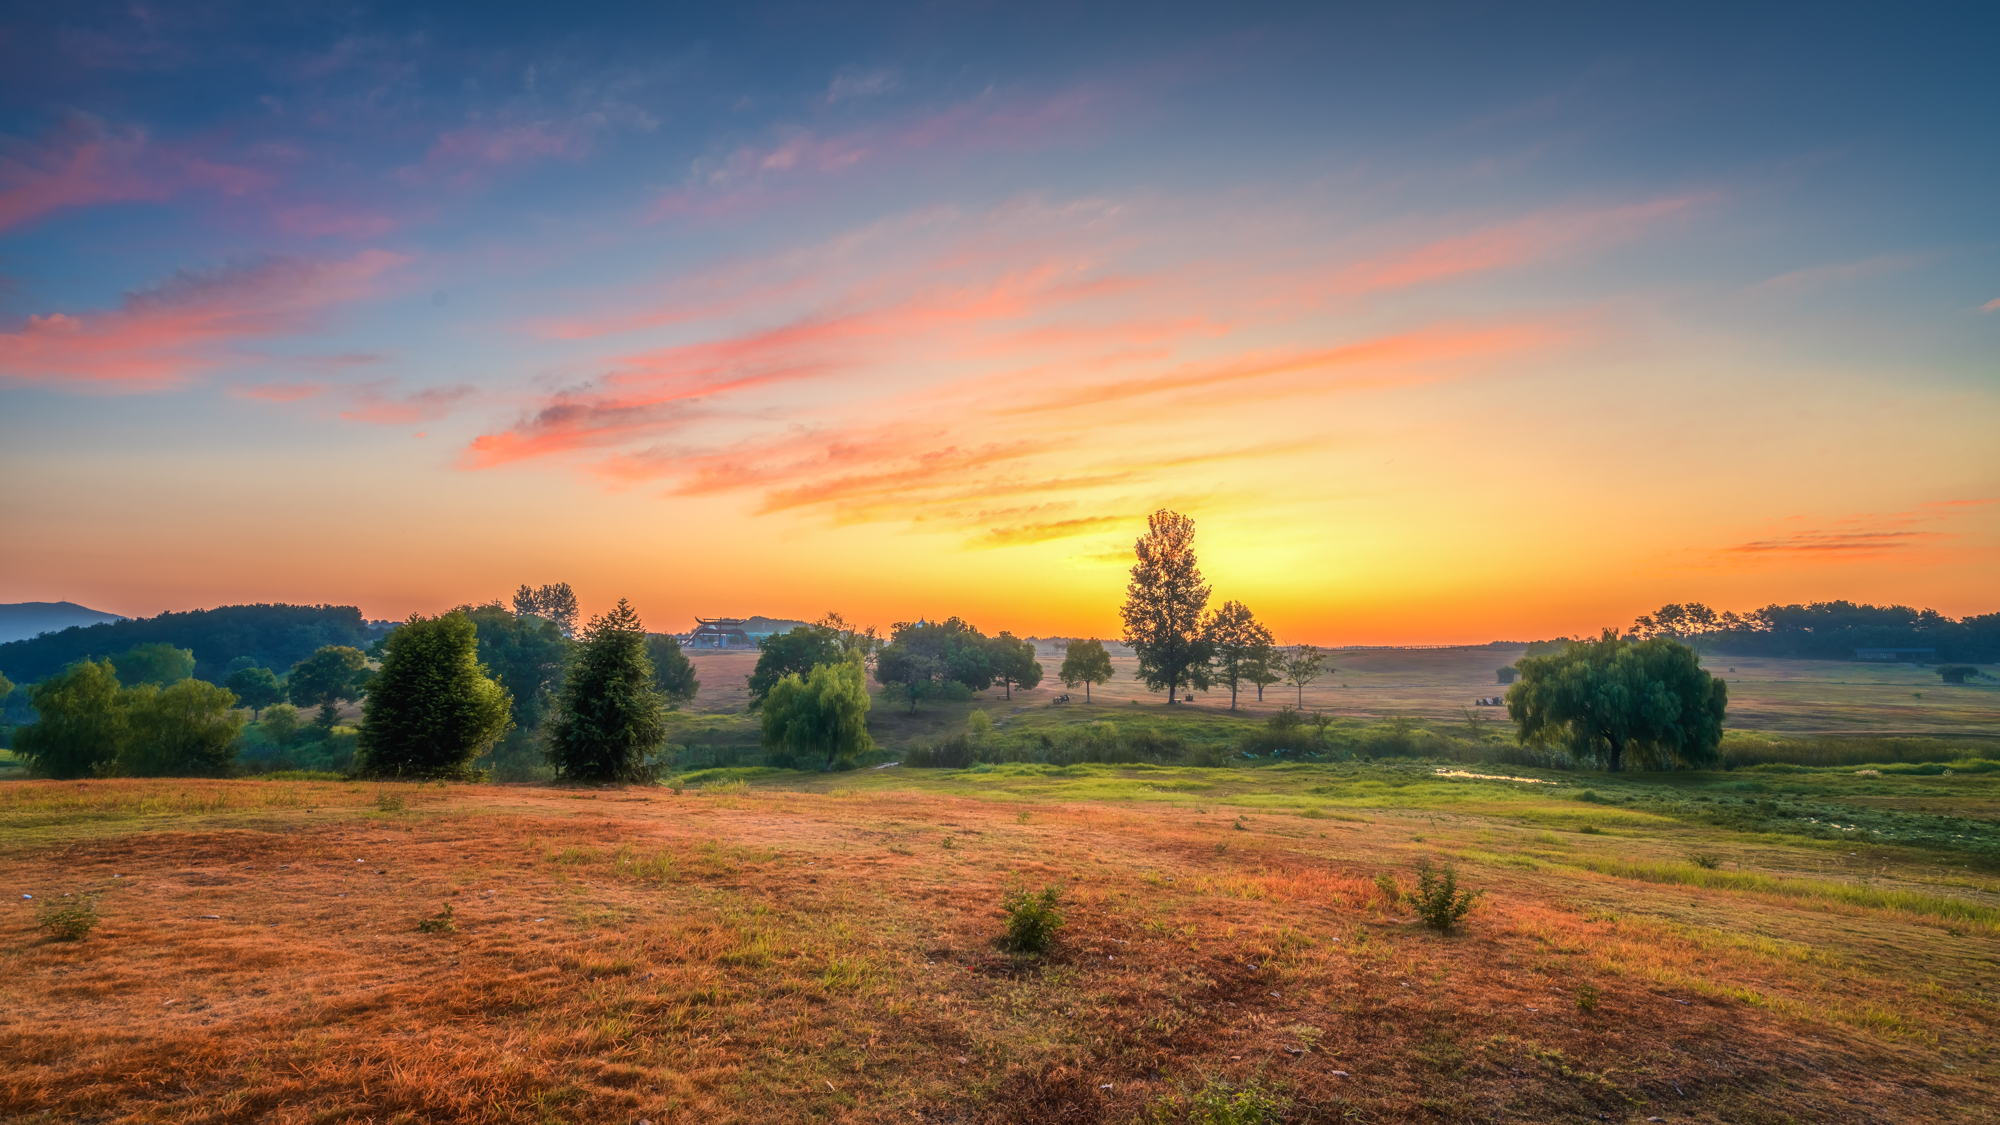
[(21, 620)]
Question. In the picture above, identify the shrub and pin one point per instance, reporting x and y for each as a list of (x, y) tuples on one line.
[(1586, 998), (1707, 861), (389, 802), (1032, 918), (1391, 890), (1220, 1103), (1438, 900), (439, 923), (68, 921)]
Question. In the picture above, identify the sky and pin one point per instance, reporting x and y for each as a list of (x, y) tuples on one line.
[(1447, 324)]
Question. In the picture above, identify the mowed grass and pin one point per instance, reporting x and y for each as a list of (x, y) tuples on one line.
[(822, 948)]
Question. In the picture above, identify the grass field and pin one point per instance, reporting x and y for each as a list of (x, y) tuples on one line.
[(822, 948)]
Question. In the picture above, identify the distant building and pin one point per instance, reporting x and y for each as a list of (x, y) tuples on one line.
[(735, 632), (1896, 655), (1508, 673)]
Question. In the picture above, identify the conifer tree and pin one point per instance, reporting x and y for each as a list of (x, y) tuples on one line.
[(609, 716), (432, 708)]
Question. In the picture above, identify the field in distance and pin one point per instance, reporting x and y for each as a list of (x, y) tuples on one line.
[(822, 948)]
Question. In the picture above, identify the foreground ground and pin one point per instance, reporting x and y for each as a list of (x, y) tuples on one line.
[(821, 949)]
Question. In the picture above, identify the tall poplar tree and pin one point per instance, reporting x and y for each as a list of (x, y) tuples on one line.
[(1163, 606), (610, 716)]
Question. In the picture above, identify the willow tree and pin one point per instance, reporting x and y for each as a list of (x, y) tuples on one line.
[(1616, 700), (1163, 607)]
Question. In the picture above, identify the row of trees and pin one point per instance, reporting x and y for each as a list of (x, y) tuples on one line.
[(1824, 630), (447, 689), (1179, 644)]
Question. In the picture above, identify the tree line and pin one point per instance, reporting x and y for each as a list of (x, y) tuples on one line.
[(1823, 630), (447, 689)]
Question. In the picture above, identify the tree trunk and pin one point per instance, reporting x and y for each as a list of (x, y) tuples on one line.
[(1086, 691), (1009, 685), (1617, 756), (1232, 697)]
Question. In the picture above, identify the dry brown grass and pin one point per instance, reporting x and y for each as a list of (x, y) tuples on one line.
[(784, 956)]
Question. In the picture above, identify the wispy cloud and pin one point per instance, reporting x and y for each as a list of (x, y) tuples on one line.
[(85, 162), (1844, 271), (189, 324)]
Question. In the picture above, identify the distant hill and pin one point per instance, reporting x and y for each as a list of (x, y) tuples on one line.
[(273, 636), (21, 620)]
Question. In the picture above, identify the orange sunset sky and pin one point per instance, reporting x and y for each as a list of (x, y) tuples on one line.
[(1438, 343)]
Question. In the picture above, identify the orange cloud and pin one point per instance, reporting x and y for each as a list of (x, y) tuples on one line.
[(189, 324)]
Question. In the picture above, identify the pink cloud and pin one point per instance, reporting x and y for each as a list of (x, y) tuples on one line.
[(1991, 306), (82, 163), (189, 324), (315, 220), (279, 392), (1533, 238), (371, 405)]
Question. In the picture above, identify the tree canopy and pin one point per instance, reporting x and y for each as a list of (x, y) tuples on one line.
[(1240, 643), (609, 717), (1163, 607), (186, 729), (791, 654), (1823, 630), (333, 675), (673, 672), (432, 708), (1302, 666), (526, 653), (821, 717), (81, 723), (1612, 700), (154, 663), (255, 688), (556, 603), (922, 657), (1014, 664), (1085, 663), (273, 636)]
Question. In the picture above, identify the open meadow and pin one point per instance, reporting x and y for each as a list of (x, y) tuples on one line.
[(1769, 945)]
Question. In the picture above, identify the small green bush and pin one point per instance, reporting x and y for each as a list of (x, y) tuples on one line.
[(1220, 1103), (1586, 998), (389, 802), (1438, 900), (68, 921), (1032, 919), (1707, 861), (1391, 890), (439, 923), (1591, 830)]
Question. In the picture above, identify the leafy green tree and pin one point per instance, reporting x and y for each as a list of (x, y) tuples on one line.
[(188, 729), (1163, 607), (852, 638), (82, 723), (1085, 663), (1014, 664), (924, 656), (557, 603), (335, 674), (526, 654), (1612, 698), (609, 716), (154, 664), (673, 672), (255, 688), (1302, 666), (280, 725), (790, 654), (1265, 666), (432, 708), (1239, 642), (821, 717), (6, 686)]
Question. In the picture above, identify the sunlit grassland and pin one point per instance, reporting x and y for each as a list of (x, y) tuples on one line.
[(814, 947)]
